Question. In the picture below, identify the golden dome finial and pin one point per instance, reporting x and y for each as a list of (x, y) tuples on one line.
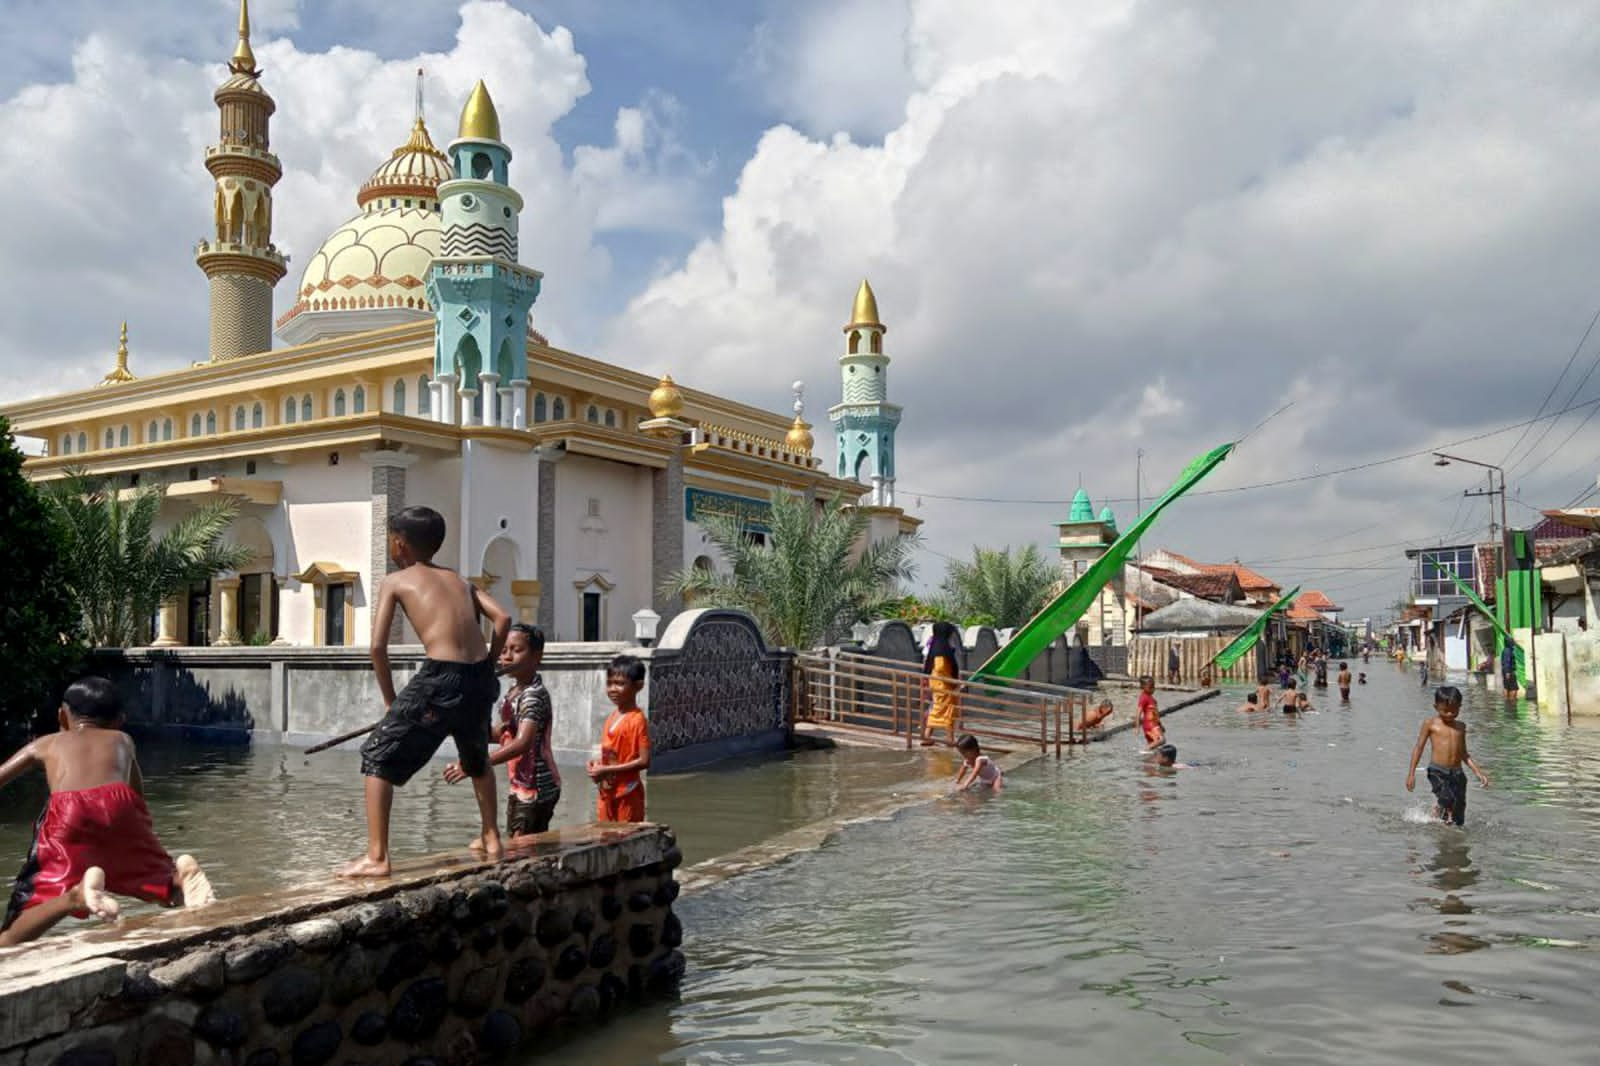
[(244, 60), (479, 120), (665, 400), (799, 438), (865, 311), (120, 374)]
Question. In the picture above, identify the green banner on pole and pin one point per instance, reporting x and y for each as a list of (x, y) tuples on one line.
[(1247, 640), (1062, 613), (1472, 597)]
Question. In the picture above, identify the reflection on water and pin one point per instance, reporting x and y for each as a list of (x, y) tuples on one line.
[(1273, 904)]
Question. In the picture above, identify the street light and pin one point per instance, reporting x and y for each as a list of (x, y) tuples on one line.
[(1445, 459)]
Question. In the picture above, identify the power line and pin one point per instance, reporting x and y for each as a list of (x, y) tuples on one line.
[(1296, 479), (1570, 360)]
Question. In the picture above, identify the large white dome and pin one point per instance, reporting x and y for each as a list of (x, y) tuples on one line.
[(370, 271)]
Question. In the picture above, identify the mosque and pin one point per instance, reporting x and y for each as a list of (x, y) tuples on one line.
[(411, 374)]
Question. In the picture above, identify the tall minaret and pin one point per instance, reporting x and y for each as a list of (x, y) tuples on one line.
[(240, 259), (865, 418), (480, 294)]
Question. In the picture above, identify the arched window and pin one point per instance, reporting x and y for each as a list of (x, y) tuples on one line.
[(559, 413), (424, 396), (111, 440), (400, 397), (611, 419), (358, 399), (238, 419), (211, 423), (122, 437), (305, 408), (289, 411), (194, 425), (541, 408), (855, 341), (338, 403), (66, 444), (877, 343), (152, 433), (593, 415), (257, 417), (83, 442), (166, 429)]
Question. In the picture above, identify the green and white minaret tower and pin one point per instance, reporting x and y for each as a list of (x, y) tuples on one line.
[(865, 419)]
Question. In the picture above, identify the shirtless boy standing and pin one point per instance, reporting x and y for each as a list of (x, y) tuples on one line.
[(451, 695), (1344, 682), (1264, 692), (95, 836), (1449, 740)]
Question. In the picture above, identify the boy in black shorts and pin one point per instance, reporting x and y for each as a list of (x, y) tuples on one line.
[(451, 696)]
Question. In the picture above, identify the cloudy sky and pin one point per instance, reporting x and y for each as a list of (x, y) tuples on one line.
[(1095, 229)]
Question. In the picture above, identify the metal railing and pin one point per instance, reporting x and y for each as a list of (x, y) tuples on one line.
[(858, 692)]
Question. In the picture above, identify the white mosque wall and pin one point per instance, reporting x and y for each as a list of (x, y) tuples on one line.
[(500, 520), (603, 515), (328, 514)]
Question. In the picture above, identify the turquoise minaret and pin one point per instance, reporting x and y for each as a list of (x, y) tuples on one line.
[(480, 294), (865, 419)]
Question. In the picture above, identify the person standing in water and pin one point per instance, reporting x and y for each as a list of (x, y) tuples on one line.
[(1344, 682), (1448, 738), (943, 670)]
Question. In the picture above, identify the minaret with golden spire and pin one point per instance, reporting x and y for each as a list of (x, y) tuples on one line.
[(239, 259), (865, 419), (120, 374)]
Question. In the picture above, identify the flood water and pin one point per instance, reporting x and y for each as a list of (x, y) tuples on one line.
[(1285, 900)]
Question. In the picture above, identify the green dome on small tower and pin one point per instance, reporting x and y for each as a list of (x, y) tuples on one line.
[(1082, 509), (1108, 519)]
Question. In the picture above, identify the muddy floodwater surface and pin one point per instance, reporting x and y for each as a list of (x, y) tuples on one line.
[(1284, 900)]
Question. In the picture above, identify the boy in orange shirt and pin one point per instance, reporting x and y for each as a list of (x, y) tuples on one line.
[(624, 746)]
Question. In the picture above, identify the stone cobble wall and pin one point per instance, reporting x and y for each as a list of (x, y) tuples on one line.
[(445, 974)]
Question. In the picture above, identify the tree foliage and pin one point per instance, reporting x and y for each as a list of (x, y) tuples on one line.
[(1001, 588), (811, 579), (39, 632), (118, 570)]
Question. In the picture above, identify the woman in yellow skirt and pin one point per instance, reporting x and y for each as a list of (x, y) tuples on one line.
[(944, 682)]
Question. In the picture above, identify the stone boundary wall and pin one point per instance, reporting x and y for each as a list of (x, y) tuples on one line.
[(714, 689), (457, 965)]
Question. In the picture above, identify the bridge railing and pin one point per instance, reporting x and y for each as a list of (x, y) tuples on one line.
[(856, 692)]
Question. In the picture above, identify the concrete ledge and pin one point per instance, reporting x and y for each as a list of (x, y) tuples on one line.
[(452, 956)]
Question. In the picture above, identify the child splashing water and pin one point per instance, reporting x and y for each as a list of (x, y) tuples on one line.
[(977, 769)]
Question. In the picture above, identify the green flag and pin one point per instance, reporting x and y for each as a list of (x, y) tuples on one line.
[(1062, 613), (1472, 597), (1247, 640)]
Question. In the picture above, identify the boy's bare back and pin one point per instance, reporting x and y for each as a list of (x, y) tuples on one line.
[(1448, 741), (441, 606), (87, 756)]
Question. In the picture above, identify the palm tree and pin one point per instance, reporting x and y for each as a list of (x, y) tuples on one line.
[(810, 580), (999, 587), (117, 570)]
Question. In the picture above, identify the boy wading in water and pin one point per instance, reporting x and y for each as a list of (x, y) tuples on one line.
[(1155, 734), (451, 695), (1449, 740), (624, 746), (524, 737), (1344, 682), (977, 769), (95, 835)]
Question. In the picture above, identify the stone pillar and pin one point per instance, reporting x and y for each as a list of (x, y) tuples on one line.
[(388, 498), (519, 404), (167, 624), (487, 381), (444, 407), (227, 610), (466, 396), (877, 490), (545, 549), (666, 532), (526, 596), (504, 407)]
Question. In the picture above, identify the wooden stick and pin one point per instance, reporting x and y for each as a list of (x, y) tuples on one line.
[(341, 738)]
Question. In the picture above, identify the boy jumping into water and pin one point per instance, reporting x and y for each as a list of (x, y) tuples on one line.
[(451, 695), (1449, 740), (95, 835), (624, 747)]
